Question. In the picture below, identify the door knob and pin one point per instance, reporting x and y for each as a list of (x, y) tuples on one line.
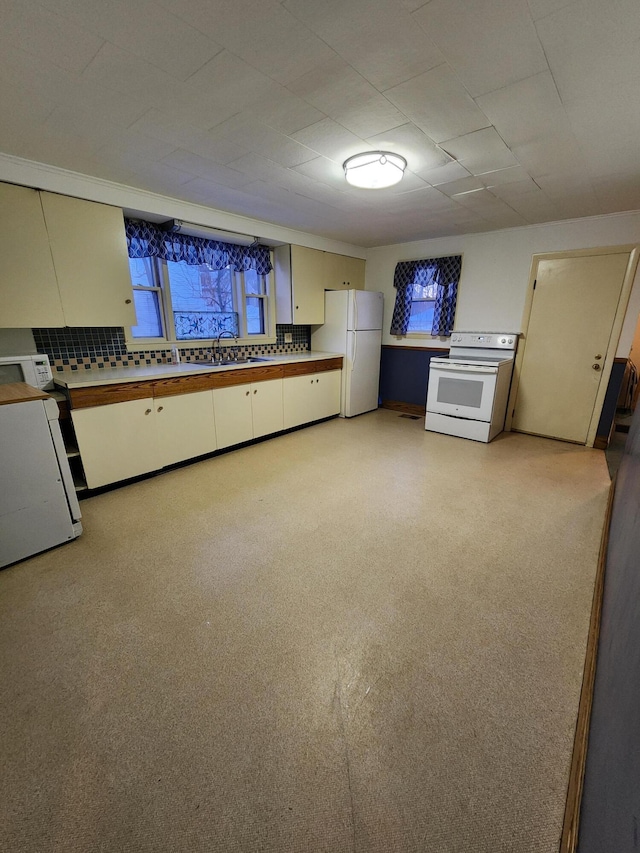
[(596, 367)]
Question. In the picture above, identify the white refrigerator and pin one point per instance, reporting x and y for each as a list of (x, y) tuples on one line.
[(353, 327)]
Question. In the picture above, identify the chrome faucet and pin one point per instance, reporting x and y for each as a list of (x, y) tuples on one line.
[(218, 355)]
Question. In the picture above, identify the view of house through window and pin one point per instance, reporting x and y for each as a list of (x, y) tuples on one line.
[(179, 301), (423, 299)]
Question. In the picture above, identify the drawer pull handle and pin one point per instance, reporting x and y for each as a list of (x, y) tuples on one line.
[(255, 390), (127, 302), (148, 412), (246, 393), (160, 408)]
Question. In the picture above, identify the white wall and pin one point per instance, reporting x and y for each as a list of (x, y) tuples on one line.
[(496, 268)]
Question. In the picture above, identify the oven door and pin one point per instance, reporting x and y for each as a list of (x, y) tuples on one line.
[(462, 390)]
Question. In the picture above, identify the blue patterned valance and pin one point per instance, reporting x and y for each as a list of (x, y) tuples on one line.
[(445, 272), (146, 240)]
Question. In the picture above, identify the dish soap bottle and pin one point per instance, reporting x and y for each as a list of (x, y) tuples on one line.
[(175, 355)]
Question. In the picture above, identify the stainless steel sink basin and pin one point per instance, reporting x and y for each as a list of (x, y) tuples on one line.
[(227, 362)]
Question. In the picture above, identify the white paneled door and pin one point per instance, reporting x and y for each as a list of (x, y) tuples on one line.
[(569, 336)]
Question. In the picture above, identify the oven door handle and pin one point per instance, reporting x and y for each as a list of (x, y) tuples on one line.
[(461, 368)]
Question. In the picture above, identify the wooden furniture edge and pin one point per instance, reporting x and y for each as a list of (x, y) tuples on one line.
[(406, 408), (20, 392), (571, 822), (122, 392)]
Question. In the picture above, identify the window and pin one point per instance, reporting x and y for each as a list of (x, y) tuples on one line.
[(176, 301), (426, 295), (423, 300)]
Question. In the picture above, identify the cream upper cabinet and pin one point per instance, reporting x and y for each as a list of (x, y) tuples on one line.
[(28, 288), (89, 250), (300, 285), (302, 276), (343, 272)]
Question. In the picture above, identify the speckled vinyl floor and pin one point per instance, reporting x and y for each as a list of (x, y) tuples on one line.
[(356, 637)]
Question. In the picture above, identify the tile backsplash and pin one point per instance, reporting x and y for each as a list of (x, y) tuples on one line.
[(83, 349)]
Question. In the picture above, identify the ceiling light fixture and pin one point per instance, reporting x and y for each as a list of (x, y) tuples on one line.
[(374, 170)]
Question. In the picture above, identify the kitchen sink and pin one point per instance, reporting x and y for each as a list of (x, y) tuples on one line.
[(228, 362)]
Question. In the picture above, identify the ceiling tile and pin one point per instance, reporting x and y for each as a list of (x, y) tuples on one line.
[(378, 39), (480, 151), (443, 174), (464, 185), (166, 127), (592, 45), (120, 71), (509, 191), (234, 82), (331, 139), (508, 49), (285, 112), (438, 104), (202, 167), (47, 35), (510, 175), (419, 151)]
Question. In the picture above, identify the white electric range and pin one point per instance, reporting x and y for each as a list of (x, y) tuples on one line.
[(468, 392)]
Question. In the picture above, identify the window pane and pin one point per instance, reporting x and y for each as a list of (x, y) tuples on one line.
[(424, 291), (202, 300), (253, 283), (197, 288), (255, 315), (147, 306), (142, 272), (421, 318)]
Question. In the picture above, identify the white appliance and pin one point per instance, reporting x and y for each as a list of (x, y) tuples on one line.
[(35, 370), (468, 391), (353, 327), (38, 503)]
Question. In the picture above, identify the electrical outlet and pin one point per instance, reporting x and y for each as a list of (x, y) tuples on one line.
[(288, 338)]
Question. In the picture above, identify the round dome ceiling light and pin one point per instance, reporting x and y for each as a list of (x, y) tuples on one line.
[(374, 170)]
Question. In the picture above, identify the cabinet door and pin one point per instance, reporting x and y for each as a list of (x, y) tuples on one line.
[(90, 257), (335, 271), (308, 281), (234, 421), (185, 426), (298, 399), (326, 389), (28, 287), (354, 272), (266, 404), (117, 441)]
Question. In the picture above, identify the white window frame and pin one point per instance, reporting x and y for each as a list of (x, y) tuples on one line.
[(240, 295)]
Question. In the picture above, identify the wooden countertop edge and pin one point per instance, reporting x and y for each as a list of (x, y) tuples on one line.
[(20, 392), (139, 389)]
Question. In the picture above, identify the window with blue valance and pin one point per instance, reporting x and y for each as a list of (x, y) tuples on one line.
[(146, 240), (432, 283)]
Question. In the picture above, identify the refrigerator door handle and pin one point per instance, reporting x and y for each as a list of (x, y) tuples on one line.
[(355, 311)]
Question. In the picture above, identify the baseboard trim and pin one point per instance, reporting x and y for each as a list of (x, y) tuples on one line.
[(570, 827), (406, 408)]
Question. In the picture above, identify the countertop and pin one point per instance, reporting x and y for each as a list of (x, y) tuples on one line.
[(109, 375), (20, 392)]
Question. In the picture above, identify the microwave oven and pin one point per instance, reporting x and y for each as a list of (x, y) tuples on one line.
[(35, 370)]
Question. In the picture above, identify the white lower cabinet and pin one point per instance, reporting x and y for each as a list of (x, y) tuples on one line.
[(243, 412), (123, 440), (311, 397), (116, 441), (185, 427)]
